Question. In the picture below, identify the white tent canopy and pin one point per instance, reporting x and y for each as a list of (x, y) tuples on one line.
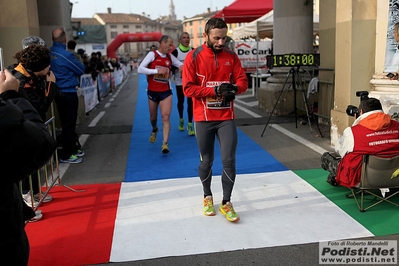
[(263, 26)]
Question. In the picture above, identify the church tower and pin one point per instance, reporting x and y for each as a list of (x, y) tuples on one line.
[(172, 15)]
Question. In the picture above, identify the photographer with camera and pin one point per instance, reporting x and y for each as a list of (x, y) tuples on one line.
[(373, 133), (212, 76)]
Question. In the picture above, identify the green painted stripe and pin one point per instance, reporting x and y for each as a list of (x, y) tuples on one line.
[(380, 220)]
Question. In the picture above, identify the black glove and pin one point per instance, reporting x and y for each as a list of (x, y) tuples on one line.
[(224, 88), (228, 97)]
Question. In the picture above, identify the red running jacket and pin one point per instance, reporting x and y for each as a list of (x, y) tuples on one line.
[(203, 70)]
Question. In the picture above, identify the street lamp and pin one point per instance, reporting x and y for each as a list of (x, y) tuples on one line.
[(71, 6)]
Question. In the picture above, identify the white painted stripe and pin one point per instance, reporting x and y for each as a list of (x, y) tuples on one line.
[(243, 96), (253, 103), (246, 111), (276, 209), (286, 132), (96, 119), (250, 104), (107, 105), (303, 141)]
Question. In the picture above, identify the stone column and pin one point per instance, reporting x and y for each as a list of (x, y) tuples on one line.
[(53, 14), (354, 57), (292, 33), (22, 18), (18, 19)]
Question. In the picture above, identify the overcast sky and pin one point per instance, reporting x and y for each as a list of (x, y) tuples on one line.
[(155, 8)]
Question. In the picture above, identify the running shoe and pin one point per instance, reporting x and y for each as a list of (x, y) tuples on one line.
[(181, 124), (37, 217), (153, 136), (165, 148), (79, 153), (190, 129), (28, 200), (209, 210), (72, 159), (228, 210), (47, 198)]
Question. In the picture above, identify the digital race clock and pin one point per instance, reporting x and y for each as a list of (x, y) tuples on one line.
[(293, 60)]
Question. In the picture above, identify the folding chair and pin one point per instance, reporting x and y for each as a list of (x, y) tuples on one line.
[(376, 175)]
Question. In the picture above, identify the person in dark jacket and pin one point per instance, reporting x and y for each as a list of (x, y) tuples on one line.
[(37, 82), (67, 70), (26, 146), (37, 85)]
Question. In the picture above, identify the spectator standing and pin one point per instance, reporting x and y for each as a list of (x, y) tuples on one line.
[(71, 45), (37, 85), (131, 64), (83, 55), (27, 146), (212, 75), (100, 62), (156, 65), (67, 70), (180, 53)]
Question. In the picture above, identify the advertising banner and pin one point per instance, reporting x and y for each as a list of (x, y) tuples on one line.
[(104, 84), (118, 77), (88, 87), (253, 54)]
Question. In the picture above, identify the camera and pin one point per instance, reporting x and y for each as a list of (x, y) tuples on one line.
[(352, 110)]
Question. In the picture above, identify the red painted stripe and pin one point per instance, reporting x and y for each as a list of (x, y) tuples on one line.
[(76, 228)]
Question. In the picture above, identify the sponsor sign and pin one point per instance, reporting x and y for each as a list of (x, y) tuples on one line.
[(252, 54), (88, 87)]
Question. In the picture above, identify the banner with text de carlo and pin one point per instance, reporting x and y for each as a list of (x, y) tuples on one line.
[(253, 54)]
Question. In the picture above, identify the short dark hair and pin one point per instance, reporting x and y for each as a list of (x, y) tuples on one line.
[(34, 58), (215, 23), (71, 44), (370, 104)]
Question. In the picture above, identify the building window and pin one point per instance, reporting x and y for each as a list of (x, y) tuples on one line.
[(125, 26), (191, 23), (113, 26), (114, 34), (138, 26)]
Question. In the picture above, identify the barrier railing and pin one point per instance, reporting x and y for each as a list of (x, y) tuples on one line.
[(50, 171)]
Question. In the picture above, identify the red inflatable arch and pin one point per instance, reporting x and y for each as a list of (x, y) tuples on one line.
[(131, 37)]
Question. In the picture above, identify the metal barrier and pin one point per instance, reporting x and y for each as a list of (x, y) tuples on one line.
[(50, 171)]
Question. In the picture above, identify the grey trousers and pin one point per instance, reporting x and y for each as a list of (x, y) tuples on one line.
[(226, 134)]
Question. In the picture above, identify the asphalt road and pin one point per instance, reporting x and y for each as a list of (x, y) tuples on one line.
[(106, 132)]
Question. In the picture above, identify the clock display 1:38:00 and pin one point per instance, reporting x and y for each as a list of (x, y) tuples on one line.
[(291, 60)]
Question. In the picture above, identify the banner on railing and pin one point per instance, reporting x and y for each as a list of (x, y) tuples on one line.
[(88, 87), (118, 77), (104, 84)]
